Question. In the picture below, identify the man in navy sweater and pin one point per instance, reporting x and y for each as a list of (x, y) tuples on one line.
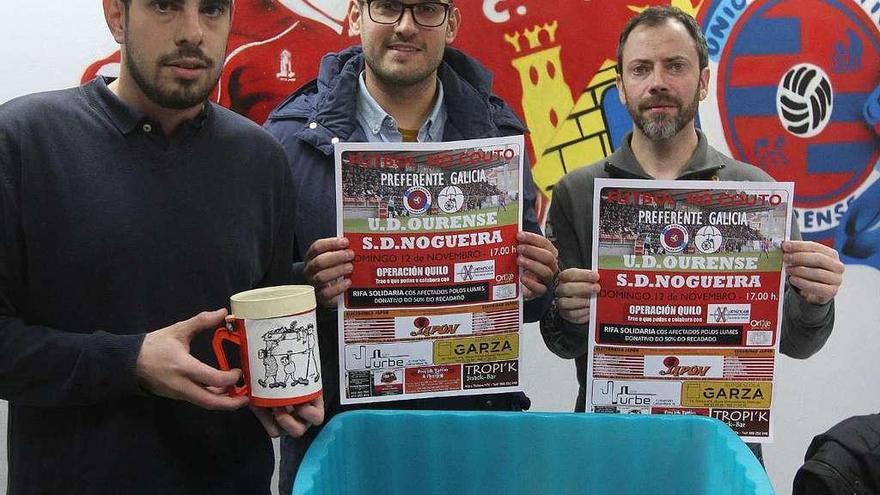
[(125, 208)]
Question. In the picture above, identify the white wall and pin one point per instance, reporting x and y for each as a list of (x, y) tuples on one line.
[(47, 44), (838, 382)]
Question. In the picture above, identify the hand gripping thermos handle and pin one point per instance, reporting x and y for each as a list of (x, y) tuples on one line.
[(228, 334)]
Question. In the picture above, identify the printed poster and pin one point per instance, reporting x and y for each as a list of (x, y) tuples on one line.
[(434, 307), (689, 315)]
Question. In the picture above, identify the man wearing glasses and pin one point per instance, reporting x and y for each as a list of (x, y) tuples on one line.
[(403, 83)]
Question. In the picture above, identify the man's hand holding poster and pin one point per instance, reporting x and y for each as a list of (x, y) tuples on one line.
[(434, 306), (689, 315)]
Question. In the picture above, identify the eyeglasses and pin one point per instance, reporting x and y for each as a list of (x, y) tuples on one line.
[(426, 14)]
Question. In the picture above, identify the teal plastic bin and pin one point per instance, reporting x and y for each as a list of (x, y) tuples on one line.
[(479, 453)]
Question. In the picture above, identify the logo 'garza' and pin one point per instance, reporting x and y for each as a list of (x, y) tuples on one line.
[(794, 78), (674, 368), (425, 329)]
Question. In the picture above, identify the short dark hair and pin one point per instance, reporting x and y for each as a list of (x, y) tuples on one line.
[(654, 16)]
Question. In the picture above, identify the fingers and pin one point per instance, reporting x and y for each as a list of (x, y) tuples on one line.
[(538, 241), (811, 254), (577, 316), (267, 420), (578, 275), (292, 425), (165, 367), (819, 276), (807, 246), (572, 303), (328, 262), (537, 255), (326, 245), (577, 283), (203, 321), (814, 292), (573, 291), (582, 290), (313, 411), (293, 420), (206, 399), (328, 293), (532, 287), (328, 267), (200, 384), (200, 372), (296, 420), (813, 268), (544, 272)]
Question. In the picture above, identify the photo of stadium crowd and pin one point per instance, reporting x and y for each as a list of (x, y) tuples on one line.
[(712, 227), (429, 183)]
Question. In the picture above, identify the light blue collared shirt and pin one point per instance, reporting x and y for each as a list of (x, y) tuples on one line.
[(382, 128)]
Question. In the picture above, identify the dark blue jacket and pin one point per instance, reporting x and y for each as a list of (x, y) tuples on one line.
[(844, 460), (321, 113)]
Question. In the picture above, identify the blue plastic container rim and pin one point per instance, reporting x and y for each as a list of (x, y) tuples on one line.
[(742, 455)]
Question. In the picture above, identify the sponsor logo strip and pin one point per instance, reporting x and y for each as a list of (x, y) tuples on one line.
[(749, 368), (489, 348), (727, 394), (503, 321), (387, 382), (432, 326), (433, 379), (683, 366), (475, 271), (496, 374), (745, 422), (681, 411), (360, 384), (381, 356), (728, 314), (636, 393), (609, 365), (367, 330)]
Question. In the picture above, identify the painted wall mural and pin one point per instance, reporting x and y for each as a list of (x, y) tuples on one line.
[(794, 87)]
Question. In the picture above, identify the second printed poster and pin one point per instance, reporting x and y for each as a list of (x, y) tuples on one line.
[(689, 316), (434, 306)]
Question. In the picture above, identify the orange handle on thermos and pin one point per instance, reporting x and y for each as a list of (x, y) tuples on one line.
[(228, 334)]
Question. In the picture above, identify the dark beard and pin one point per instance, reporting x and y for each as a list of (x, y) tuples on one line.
[(190, 93), (663, 127)]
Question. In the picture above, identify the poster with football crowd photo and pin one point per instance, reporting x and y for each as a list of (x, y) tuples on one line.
[(434, 306), (689, 315)]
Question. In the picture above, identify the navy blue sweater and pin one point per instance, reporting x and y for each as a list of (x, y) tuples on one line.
[(109, 230)]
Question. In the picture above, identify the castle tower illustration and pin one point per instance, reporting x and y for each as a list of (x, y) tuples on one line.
[(582, 137), (547, 98), (565, 134)]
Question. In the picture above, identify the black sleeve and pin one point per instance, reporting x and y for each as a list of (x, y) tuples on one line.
[(563, 338), (282, 268), (534, 309), (43, 366)]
